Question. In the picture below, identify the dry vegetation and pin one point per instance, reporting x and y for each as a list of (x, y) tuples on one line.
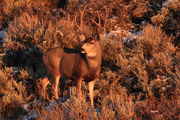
[(138, 81)]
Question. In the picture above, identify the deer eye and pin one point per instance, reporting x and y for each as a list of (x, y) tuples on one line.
[(91, 42)]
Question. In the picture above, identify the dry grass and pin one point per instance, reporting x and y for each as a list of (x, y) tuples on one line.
[(168, 18), (13, 94), (140, 81)]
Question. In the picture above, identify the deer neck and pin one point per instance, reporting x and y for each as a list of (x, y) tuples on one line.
[(93, 62)]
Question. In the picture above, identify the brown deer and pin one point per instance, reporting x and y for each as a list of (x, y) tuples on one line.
[(78, 65)]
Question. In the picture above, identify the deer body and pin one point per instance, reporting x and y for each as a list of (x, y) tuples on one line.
[(73, 64)]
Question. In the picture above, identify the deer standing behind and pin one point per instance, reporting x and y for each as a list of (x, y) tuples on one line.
[(78, 65)]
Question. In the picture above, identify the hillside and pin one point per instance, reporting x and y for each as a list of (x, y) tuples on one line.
[(140, 74)]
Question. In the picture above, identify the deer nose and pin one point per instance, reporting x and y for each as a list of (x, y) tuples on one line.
[(82, 50)]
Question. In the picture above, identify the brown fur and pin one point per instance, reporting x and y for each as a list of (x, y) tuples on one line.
[(75, 65)]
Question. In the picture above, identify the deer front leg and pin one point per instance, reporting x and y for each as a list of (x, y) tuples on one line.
[(91, 92), (78, 88), (55, 86)]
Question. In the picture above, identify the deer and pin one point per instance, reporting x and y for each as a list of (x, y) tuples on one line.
[(79, 65)]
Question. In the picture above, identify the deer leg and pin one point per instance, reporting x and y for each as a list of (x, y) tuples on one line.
[(91, 92), (78, 88), (44, 84), (62, 86), (55, 86)]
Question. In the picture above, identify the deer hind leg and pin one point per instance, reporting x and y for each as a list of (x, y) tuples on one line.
[(91, 92), (44, 83), (78, 88), (55, 86)]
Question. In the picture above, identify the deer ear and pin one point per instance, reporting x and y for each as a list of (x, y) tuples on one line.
[(97, 37)]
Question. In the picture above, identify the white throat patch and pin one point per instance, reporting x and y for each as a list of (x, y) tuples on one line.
[(91, 54)]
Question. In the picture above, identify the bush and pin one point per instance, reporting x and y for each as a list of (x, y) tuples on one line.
[(140, 79), (13, 94)]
